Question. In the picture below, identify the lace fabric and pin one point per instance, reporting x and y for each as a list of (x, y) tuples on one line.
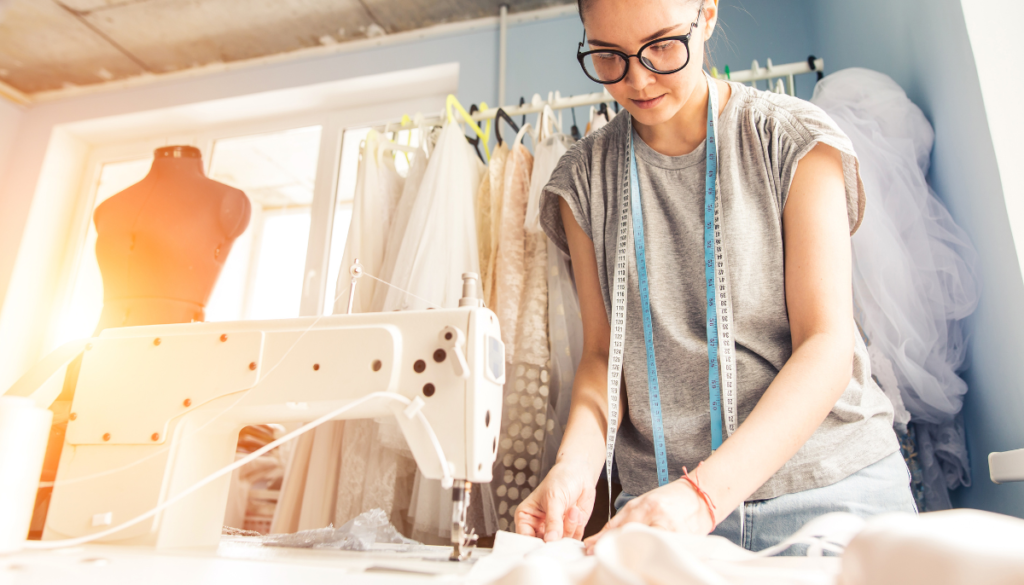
[(488, 216)]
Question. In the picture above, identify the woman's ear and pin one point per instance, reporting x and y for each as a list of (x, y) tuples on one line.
[(710, 17)]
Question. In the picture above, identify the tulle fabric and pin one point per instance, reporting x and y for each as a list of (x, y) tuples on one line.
[(913, 267)]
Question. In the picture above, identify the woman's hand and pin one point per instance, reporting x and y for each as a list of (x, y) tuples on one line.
[(675, 506), (560, 506)]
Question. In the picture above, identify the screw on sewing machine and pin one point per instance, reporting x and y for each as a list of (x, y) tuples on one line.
[(440, 354), (376, 365), (316, 367), (155, 436), (252, 365), (106, 436), (487, 419), (224, 337), (187, 403), (73, 416), (419, 366), (428, 389), (156, 341)]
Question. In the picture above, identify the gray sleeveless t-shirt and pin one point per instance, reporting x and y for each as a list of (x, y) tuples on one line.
[(762, 136)]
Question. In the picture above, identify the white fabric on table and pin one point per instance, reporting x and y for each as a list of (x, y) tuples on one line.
[(637, 554), (938, 548)]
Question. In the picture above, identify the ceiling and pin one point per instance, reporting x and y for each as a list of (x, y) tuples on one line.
[(56, 44)]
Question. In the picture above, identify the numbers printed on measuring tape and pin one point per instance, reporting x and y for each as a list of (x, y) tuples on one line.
[(721, 347)]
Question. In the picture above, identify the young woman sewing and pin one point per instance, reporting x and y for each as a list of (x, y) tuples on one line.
[(746, 257)]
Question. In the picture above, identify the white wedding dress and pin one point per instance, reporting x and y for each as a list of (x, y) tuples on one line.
[(914, 278)]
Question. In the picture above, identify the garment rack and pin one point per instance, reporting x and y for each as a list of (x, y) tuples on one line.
[(756, 73)]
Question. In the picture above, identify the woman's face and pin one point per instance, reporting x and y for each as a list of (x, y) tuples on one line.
[(625, 25)]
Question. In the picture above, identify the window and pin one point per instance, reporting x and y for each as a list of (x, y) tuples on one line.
[(263, 275), (294, 152)]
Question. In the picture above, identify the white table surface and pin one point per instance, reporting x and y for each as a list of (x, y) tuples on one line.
[(236, 560)]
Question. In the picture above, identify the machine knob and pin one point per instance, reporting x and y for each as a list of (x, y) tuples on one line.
[(454, 342)]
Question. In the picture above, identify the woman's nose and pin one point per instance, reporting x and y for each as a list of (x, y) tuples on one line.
[(638, 76)]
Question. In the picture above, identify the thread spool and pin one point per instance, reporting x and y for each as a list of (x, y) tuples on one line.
[(24, 431)]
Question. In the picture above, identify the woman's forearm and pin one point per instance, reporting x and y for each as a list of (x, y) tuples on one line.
[(584, 438), (791, 409)]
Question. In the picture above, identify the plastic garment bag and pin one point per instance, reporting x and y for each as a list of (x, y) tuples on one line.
[(913, 267)]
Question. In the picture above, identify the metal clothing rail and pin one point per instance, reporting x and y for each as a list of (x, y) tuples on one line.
[(756, 73)]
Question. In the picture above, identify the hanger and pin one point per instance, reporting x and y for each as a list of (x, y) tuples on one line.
[(475, 140), (526, 129), (502, 115), (575, 131), (522, 101), (810, 61), (603, 109), (468, 119)]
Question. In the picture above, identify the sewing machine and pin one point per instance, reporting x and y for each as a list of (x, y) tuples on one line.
[(159, 408)]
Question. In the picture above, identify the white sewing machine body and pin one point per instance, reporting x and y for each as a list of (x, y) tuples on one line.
[(176, 396)]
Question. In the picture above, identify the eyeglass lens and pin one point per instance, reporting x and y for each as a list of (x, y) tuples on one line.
[(666, 56)]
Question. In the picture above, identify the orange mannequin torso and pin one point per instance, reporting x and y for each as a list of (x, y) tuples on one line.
[(162, 242)]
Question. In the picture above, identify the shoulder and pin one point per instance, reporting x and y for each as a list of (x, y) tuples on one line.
[(785, 129), (786, 118), (235, 210)]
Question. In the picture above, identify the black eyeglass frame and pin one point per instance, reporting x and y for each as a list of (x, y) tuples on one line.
[(580, 55)]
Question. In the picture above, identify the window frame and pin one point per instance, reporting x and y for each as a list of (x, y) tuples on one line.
[(333, 124)]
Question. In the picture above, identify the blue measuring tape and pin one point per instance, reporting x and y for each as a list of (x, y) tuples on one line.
[(721, 345), (714, 373)]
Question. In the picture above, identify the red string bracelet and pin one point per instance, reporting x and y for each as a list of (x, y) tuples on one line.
[(700, 492)]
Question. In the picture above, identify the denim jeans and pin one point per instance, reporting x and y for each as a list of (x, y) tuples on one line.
[(878, 488)]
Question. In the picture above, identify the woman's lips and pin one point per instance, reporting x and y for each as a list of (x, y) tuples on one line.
[(646, 104)]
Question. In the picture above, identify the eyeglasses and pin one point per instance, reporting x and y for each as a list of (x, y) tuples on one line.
[(665, 55)]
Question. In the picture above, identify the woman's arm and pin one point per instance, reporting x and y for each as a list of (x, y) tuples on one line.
[(819, 298), (555, 509)]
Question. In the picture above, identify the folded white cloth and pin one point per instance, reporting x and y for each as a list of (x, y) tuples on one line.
[(937, 548)]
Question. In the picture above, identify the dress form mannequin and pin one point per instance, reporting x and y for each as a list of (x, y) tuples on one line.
[(162, 242)]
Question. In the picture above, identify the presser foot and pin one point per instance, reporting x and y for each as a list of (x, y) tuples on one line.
[(463, 539)]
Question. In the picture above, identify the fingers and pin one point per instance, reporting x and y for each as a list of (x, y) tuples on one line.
[(554, 513), (529, 520), (571, 521)]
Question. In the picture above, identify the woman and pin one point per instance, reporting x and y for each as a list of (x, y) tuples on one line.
[(815, 432)]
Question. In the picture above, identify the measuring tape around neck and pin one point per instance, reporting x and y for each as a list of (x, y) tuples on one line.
[(721, 346)]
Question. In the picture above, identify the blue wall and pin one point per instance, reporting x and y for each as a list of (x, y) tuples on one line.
[(923, 45)]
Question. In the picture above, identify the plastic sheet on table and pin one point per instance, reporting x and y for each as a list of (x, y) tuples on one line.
[(359, 534)]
